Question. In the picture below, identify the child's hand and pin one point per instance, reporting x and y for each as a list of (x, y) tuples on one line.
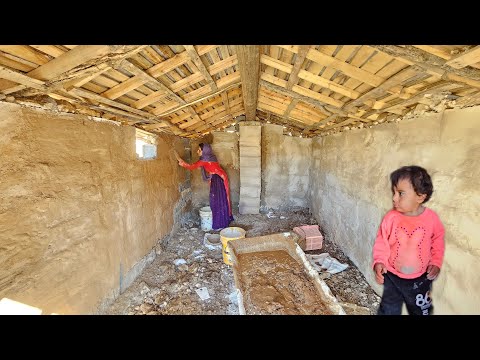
[(432, 272), (379, 269)]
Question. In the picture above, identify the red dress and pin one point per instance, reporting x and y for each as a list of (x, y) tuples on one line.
[(213, 168)]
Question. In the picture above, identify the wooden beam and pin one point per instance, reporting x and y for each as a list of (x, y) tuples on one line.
[(20, 78), (192, 53), (26, 52), (79, 55), (127, 65), (124, 87), (319, 123), (222, 65), (166, 113), (49, 49), (225, 101), (431, 89), (346, 68), (168, 65), (328, 84), (301, 55), (431, 63), (394, 80), (317, 96), (432, 49), (91, 95), (248, 57), (290, 107), (317, 104), (469, 57), (82, 80)]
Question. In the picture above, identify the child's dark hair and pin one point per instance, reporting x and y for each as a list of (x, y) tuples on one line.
[(201, 145), (418, 176)]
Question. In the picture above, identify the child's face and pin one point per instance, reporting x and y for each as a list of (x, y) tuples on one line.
[(405, 199), (199, 151)]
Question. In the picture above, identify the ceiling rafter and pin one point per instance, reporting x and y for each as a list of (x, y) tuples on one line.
[(190, 90)]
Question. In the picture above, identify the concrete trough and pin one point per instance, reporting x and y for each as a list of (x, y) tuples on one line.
[(321, 293)]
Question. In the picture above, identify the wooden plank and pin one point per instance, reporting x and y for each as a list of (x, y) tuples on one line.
[(79, 82), (222, 65), (49, 49), (328, 84), (13, 89), (233, 76), (290, 107), (187, 81), (225, 101), (5, 84), (431, 63), (292, 48), (22, 79), (146, 76), (394, 80), (203, 49), (435, 50), (317, 104), (180, 118), (229, 80), (192, 53), (70, 60), (149, 99), (189, 123), (435, 88), (221, 117), (131, 111), (168, 65), (317, 96), (201, 107), (467, 58), (301, 55), (276, 64), (124, 87), (26, 52), (274, 80), (7, 61), (164, 108), (219, 110), (344, 67)]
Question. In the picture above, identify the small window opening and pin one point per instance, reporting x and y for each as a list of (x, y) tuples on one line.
[(145, 145)]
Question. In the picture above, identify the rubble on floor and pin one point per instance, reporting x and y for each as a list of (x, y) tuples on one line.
[(188, 276)]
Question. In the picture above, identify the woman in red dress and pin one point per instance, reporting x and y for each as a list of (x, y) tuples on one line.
[(219, 188)]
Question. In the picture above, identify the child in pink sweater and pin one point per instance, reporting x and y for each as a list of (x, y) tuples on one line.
[(408, 251)]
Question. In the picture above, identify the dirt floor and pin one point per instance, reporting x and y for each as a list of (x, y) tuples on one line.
[(190, 277)]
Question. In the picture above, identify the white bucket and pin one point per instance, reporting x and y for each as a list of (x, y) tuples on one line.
[(206, 218)]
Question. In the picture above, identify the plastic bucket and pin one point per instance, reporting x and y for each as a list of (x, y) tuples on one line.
[(206, 218), (227, 234)]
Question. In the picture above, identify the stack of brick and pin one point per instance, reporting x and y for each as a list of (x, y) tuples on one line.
[(250, 169), (311, 238)]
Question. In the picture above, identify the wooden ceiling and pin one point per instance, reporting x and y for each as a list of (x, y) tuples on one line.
[(191, 90)]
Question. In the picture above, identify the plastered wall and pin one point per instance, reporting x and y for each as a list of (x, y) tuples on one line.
[(350, 193), (285, 169), (78, 211)]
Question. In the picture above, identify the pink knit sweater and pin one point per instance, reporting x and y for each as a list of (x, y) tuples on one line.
[(406, 245)]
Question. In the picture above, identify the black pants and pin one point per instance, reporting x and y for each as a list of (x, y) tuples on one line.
[(415, 293)]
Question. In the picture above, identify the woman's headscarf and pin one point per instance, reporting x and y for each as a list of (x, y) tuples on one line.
[(207, 155)]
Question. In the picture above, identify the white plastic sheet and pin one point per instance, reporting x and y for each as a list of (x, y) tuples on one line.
[(324, 262)]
